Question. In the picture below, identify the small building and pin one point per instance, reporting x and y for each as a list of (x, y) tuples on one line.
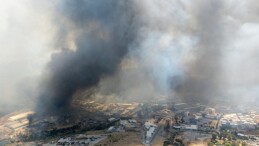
[(177, 127), (132, 121), (61, 141), (190, 127), (128, 123), (112, 119), (150, 133), (211, 111), (149, 124), (20, 116), (211, 116), (111, 129)]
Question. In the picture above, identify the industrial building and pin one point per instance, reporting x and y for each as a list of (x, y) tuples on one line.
[(18, 121), (151, 129)]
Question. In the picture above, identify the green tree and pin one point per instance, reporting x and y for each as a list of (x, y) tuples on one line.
[(227, 143), (210, 144)]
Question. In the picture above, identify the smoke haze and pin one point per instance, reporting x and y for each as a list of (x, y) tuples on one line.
[(132, 49)]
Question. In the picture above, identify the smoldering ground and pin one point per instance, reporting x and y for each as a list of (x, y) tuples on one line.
[(179, 49)]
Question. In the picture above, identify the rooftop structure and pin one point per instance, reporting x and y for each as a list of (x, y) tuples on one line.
[(149, 124), (210, 111), (20, 116), (239, 120), (150, 133), (131, 123), (18, 121), (190, 127)]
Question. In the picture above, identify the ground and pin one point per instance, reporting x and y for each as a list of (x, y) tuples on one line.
[(121, 139), (197, 144), (158, 141)]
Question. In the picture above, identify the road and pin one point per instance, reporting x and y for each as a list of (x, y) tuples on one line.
[(159, 133)]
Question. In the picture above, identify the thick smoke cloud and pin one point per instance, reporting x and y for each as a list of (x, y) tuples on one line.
[(201, 50), (101, 32), (178, 49), (25, 43), (203, 76), (159, 51), (175, 49), (192, 51)]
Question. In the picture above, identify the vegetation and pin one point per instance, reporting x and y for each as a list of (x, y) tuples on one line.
[(226, 138), (228, 143), (167, 126)]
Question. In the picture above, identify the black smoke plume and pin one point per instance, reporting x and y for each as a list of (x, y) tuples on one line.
[(101, 32)]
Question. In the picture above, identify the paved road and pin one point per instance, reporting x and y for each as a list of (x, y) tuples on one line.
[(159, 131)]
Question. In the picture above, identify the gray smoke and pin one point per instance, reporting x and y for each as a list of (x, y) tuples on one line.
[(101, 33), (193, 51), (200, 50), (203, 75), (179, 50)]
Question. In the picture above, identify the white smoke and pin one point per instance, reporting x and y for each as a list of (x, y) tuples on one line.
[(210, 47), (25, 42)]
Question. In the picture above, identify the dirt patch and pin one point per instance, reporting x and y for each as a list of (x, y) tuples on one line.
[(121, 139)]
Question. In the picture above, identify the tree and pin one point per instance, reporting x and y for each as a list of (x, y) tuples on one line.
[(227, 143), (167, 125), (167, 142), (210, 144), (214, 136)]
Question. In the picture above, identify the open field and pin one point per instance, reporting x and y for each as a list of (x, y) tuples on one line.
[(121, 139)]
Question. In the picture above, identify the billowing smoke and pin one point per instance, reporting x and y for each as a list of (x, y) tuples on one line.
[(100, 32), (200, 50), (141, 49), (203, 74), (25, 42), (192, 51)]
